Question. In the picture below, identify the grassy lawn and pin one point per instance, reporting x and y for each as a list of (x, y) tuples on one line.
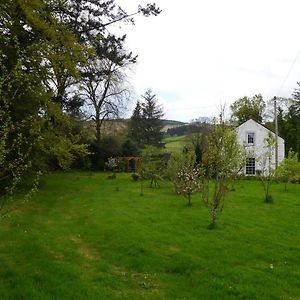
[(175, 144), (85, 237)]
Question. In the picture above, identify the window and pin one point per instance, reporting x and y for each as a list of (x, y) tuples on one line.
[(250, 166), (250, 138)]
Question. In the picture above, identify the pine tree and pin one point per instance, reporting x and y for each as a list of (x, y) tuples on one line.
[(136, 124), (152, 114), (145, 126)]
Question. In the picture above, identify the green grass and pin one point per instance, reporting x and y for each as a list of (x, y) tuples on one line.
[(175, 144), (86, 237)]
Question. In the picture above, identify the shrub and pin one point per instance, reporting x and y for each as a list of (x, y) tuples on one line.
[(188, 182), (135, 176)]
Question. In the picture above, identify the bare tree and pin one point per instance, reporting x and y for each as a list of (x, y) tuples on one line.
[(103, 87)]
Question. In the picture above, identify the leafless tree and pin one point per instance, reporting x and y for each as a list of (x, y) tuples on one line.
[(103, 87)]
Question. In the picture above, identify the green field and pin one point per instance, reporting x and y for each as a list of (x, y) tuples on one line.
[(175, 144), (85, 237)]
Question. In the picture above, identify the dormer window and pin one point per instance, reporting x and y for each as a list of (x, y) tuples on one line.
[(250, 138)]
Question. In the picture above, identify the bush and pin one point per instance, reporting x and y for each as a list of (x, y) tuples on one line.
[(135, 176), (130, 148), (109, 147)]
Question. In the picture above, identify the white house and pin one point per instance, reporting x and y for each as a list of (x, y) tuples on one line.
[(252, 136)]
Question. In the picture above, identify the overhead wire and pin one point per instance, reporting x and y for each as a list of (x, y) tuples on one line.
[(289, 72)]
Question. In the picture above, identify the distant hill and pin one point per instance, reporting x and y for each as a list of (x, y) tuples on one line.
[(117, 126), (173, 122), (188, 128), (169, 124)]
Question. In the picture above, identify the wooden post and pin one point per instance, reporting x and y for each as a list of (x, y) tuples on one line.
[(276, 133)]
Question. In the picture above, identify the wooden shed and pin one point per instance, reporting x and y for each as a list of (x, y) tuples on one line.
[(130, 163)]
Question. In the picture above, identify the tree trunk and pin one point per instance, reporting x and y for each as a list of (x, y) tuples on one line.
[(285, 186), (98, 128), (214, 216), (189, 200), (142, 187)]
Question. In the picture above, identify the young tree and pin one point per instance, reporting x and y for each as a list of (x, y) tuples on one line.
[(188, 181), (289, 169), (267, 171), (153, 164), (177, 162), (224, 158)]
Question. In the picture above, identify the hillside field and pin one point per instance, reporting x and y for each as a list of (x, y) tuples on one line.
[(86, 237), (175, 144)]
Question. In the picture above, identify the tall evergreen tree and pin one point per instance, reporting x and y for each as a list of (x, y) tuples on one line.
[(136, 124), (146, 124), (152, 114)]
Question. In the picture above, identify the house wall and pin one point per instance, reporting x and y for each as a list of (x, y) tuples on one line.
[(258, 149)]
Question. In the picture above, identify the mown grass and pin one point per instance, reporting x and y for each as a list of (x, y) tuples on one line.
[(176, 143), (86, 237)]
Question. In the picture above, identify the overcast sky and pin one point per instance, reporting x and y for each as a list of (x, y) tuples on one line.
[(197, 55)]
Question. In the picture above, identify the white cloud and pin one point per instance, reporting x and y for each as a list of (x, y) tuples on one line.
[(198, 54)]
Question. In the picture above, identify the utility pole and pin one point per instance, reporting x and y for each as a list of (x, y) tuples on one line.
[(276, 132)]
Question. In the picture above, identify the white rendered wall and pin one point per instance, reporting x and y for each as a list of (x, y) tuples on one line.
[(258, 149)]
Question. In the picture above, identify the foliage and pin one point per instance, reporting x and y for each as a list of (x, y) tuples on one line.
[(112, 163), (185, 173), (289, 124), (176, 163), (289, 169), (44, 46), (135, 125), (135, 176), (145, 124), (153, 164), (19, 132), (198, 141), (247, 108), (224, 159), (60, 144), (129, 148), (109, 147), (83, 25)]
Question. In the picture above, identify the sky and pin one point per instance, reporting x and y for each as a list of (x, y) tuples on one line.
[(198, 55)]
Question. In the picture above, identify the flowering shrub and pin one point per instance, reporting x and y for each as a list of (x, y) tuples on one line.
[(112, 163), (188, 182)]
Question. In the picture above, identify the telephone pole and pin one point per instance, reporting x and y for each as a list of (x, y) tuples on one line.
[(276, 132)]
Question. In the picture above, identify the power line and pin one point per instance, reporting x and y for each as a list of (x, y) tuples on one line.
[(289, 72)]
